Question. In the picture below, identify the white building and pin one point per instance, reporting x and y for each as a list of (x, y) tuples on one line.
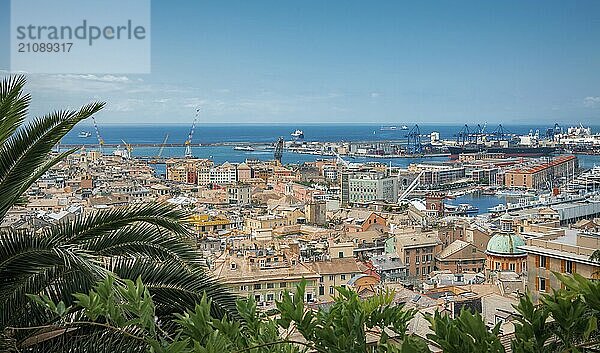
[(225, 173), (365, 186)]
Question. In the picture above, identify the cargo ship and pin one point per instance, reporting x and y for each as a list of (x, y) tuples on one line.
[(510, 151)]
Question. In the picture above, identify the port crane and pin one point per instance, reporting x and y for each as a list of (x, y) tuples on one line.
[(278, 150), (128, 147), (188, 142), (100, 139), (414, 145)]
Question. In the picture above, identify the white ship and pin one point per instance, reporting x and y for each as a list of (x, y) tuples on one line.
[(84, 134), (298, 134), (244, 148), (404, 127)]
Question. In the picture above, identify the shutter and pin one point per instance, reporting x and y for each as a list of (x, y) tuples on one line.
[(547, 263), (537, 284), (574, 265), (537, 261), (562, 266)]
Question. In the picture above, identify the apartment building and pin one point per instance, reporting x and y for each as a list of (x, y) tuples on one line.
[(418, 249), (366, 186), (265, 275), (565, 252), (223, 174)]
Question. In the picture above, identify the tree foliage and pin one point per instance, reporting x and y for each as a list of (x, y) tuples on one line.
[(149, 241)]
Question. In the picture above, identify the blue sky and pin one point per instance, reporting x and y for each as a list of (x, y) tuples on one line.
[(351, 61)]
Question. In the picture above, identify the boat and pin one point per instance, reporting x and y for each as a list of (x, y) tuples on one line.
[(510, 151), (84, 134), (244, 148), (404, 127), (462, 209), (468, 208), (387, 128), (298, 134)]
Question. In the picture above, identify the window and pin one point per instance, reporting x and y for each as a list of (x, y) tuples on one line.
[(343, 277), (321, 290), (321, 279), (331, 277), (511, 267), (341, 254), (331, 290), (569, 266), (257, 298), (270, 297), (543, 261), (242, 288), (417, 273), (282, 285), (542, 284), (257, 286), (309, 297), (407, 260), (270, 285)]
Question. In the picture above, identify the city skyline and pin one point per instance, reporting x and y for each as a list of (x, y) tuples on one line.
[(285, 63)]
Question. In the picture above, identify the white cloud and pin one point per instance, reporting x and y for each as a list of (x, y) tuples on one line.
[(591, 102), (375, 94)]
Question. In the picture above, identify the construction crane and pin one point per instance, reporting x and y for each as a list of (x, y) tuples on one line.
[(129, 148), (278, 151), (100, 139), (162, 146), (188, 142)]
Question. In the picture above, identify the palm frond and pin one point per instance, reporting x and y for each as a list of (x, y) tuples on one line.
[(27, 149), (175, 288), (90, 226), (13, 105)]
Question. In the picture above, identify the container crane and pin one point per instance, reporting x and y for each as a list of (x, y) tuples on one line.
[(188, 142), (100, 139)]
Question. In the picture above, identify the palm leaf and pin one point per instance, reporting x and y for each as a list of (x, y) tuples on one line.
[(28, 148), (175, 288), (13, 105)]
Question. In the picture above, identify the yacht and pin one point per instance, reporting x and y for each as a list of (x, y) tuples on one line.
[(298, 134), (244, 148), (84, 134)]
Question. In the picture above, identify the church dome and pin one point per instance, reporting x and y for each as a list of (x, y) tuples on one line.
[(504, 243)]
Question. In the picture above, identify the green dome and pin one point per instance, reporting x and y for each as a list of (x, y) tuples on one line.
[(504, 243)]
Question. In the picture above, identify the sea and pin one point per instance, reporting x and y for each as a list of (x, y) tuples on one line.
[(267, 134)]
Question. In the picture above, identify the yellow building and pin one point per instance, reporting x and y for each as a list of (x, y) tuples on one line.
[(252, 224), (205, 223), (565, 253)]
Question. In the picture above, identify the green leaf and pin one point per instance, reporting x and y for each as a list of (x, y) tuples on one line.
[(591, 327)]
